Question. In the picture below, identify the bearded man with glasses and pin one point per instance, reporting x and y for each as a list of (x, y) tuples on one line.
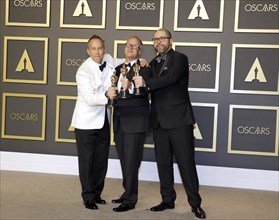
[(172, 120)]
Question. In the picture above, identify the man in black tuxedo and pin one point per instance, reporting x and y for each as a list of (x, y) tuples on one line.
[(131, 121), (172, 121)]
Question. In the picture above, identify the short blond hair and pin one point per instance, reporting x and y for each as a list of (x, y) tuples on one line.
[(96, 37)]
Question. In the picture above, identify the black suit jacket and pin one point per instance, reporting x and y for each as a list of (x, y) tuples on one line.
[(133, 113), (170, 101)]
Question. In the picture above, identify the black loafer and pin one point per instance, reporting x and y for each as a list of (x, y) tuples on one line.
[(90, 205), (199, 212), (99, 200), (123, 208), (117, 200), (162, 206)]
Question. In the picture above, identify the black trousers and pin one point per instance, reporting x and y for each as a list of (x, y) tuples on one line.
[(130, 149), (93, 150), (176, 143)]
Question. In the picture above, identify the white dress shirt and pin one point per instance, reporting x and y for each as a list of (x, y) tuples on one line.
[(131, 90)]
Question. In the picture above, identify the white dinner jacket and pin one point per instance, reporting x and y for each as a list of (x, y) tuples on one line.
[(92, 84)]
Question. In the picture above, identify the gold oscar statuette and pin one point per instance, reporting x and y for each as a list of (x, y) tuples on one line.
[(137, 90), (112, 101), (124, 93)]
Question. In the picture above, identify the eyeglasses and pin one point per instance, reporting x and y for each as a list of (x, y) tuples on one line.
[(128, 45), (160, 39)]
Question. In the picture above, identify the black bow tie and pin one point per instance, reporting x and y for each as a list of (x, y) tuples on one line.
[(161, 58), (128, 65), (103, 66)]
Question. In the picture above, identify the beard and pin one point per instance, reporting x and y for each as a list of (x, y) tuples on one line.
[(161, 49)]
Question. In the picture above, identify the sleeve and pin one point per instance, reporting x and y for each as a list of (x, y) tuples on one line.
[(176, 69), (113, 61)]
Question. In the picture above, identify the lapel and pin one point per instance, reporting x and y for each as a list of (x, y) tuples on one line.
[(95, 74), (152, 64), (164, 65)]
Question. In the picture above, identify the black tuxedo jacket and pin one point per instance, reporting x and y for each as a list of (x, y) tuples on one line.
[(133, 113), (170, 101)]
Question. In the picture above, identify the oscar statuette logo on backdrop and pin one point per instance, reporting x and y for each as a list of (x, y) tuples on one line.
[(82, 13), (82, 9), (199, 15), (205, 129), (25, 63), (198, 11), (255, 69), (256, 73), (64, 132), (25, 60)]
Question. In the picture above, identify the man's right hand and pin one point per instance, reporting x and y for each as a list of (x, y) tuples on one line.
[(112, 92), (139, 81)]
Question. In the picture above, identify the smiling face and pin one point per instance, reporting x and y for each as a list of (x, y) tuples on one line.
[(162, 42), (132, 49), (96, 50)]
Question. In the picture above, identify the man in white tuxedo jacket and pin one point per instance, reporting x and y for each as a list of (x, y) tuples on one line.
[(91, 122)]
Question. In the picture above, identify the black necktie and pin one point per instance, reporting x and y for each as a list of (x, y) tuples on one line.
[(161, 58), (103, 66)]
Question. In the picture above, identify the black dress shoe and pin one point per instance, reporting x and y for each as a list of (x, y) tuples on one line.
[(90, 205), (99, 200), (123, 208), (162, 206), (199, 212), (117, 200)]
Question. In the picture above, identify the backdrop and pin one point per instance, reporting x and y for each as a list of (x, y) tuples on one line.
[(232, 48)]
